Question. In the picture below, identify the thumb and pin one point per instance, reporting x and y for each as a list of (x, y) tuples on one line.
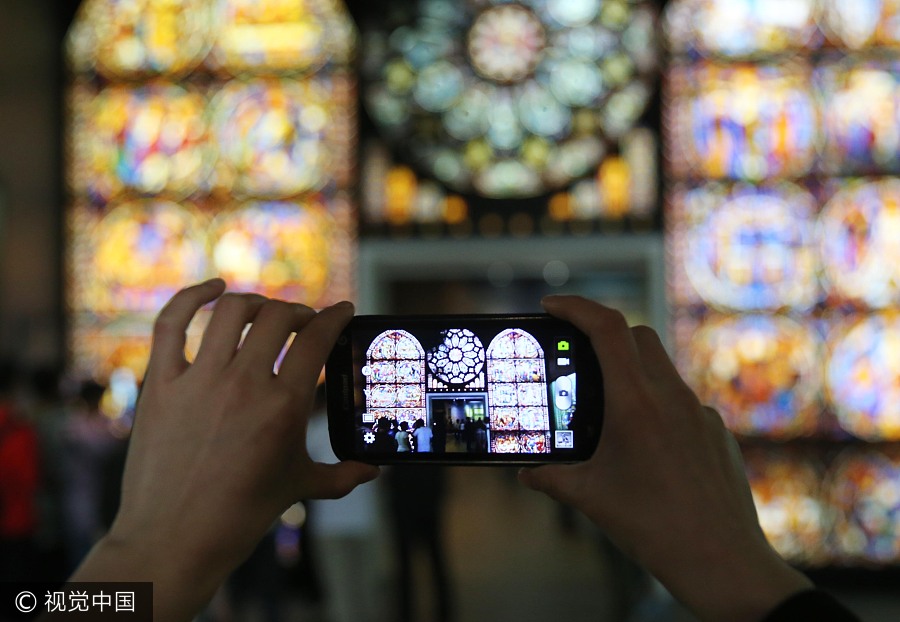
[(333, 481), (556, 481)]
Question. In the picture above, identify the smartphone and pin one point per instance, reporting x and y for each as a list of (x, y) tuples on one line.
[(463, 389)]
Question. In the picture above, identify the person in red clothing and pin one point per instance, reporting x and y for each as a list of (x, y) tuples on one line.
[(19, 480)]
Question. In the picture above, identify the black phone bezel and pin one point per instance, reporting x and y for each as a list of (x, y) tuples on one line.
[(341, 379)]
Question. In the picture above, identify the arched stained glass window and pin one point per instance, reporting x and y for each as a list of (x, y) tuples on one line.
[(395, 378), (517, 393), (204, 137)]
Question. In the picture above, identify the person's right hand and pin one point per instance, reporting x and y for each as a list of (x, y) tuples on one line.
[(666, 482)]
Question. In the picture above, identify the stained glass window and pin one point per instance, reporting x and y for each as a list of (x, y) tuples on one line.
[(458, 359), (781, 224), (271, 134), (505, 99), (141, 252), (395, 378), (517, 393), (205, 138)]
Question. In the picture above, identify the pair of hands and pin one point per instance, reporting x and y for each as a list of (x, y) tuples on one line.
[(219, 451)]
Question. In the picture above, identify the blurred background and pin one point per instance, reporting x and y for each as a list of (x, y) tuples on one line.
[(725, 171)]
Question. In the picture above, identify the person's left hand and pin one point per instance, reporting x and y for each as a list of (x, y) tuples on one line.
[(219, 445)]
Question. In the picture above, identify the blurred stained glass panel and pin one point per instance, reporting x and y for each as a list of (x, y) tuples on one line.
[(860, 116), (863, 377), (514, 100), (762, 372), (790, 502), (204, 137), (782, 221), (743, 247), (741, 121), (149, 139), (858, 231), (864, 494), (280, 36), (283, 250), (142, 38)]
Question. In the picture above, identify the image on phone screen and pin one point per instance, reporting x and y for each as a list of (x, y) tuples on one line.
[(474, 387)]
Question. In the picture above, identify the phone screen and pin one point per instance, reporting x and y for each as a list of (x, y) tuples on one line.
[(464, 389)]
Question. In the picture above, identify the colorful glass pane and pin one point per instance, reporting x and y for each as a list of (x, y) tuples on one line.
[(790, 503), (151, 139), (858, 232), (859, 24), (459, 358), (395, 378), (141, 38), (742, 121), (518, 395), (279, 249), (742, 28), (280, 36), (864, 494), (860, 116), (762, 373), (745, 248), (511, 98), (142, 253), (863, 376), (102, 347), (272, 136)]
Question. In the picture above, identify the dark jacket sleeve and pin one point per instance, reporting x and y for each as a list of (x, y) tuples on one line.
[(811, 605)]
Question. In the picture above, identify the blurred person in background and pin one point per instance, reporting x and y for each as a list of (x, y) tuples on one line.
[(416, 500), (347, 537), (91, 464), (47, 413), (19, 479)]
